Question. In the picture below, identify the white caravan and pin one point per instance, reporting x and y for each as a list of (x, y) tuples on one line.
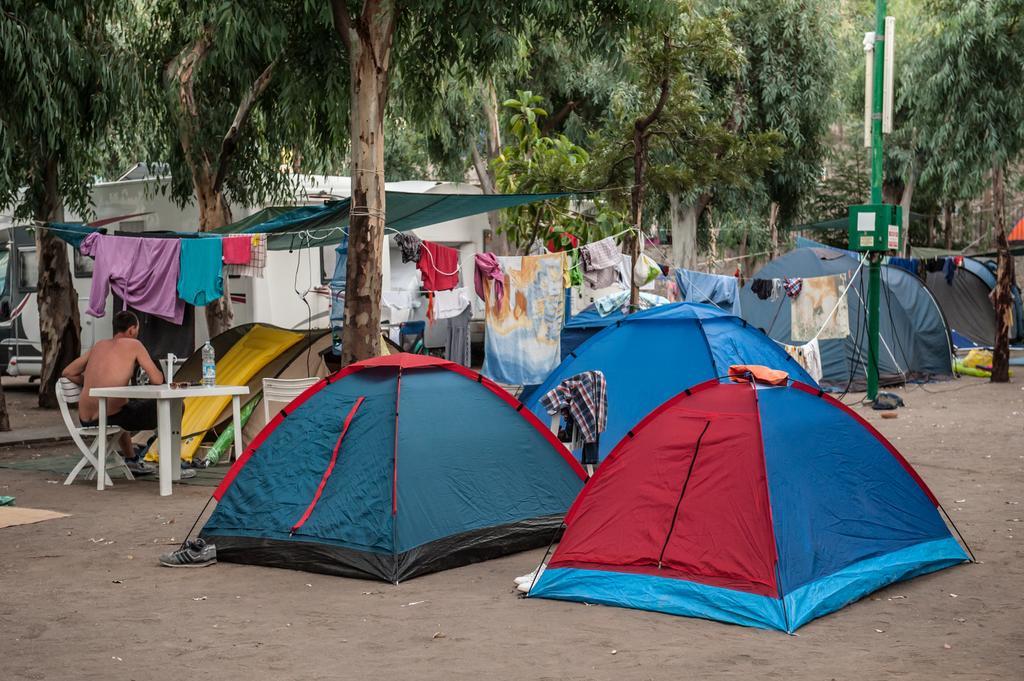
[(292, 294)]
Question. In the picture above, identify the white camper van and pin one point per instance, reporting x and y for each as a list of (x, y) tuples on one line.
[(292, 294)]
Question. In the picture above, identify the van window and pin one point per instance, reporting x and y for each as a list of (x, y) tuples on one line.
[(4, 259), (83, 265), (134, 226), (329, 261), (28, 269)]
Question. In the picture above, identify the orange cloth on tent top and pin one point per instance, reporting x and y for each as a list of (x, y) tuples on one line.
[(1018, 232), (740, 373)]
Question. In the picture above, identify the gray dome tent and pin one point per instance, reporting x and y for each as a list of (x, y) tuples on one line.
[(915, 342), (967, 307)]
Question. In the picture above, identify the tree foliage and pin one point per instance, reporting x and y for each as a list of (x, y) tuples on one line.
[(969, 90), (967, 112), (211, 116), (67, 77), (537, 163), (697, 146), (787, 86)]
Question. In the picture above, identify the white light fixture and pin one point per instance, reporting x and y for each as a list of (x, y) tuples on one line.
[(869, 83), (889, 73)]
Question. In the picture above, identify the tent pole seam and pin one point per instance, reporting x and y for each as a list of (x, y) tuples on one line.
[(768, 498), (679, 502)]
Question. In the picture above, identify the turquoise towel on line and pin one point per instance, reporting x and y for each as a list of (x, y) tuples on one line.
[(201, 279)]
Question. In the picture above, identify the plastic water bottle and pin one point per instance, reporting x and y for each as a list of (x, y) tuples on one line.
[(209, 365)]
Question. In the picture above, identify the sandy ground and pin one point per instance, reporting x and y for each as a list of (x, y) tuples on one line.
[(83, 597), (23, 405)]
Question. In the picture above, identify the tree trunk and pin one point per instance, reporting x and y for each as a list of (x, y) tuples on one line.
[(636, 194), (215, 212), (5, 421), (947, 226), (59, 325), (367, 37), (931, 230), (773, 228), (1002, 295), (905, 202), (636, 210), (683, 221), (497, 242), (744, 239), (712, 237)]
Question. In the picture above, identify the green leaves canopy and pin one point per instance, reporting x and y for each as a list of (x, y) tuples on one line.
[(66, 78)]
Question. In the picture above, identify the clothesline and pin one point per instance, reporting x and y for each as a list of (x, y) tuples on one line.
[(577, 248), (738, 257)]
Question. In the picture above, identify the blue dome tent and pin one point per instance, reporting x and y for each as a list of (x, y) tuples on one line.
[(915, 341), (393, 468), (649, 356), (585, 324), (766, 506)]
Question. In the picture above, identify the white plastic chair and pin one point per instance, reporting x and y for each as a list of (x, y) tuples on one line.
[(69, 393), (283, 390)]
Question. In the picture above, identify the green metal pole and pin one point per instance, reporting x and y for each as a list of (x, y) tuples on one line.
[(875, 261)]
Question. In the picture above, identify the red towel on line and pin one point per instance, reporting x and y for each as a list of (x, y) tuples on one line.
[(237, 250), (439, 266)]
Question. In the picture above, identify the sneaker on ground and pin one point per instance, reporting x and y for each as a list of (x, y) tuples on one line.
[(195, 553), (139, 467)]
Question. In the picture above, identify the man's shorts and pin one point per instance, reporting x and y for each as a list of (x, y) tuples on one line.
[(134, 416)]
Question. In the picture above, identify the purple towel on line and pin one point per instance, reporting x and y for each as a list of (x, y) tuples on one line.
[(142, 271)]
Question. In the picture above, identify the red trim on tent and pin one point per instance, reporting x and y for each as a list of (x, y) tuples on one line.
[(401, 360), (871, 429), (404, 360), (330, 466)]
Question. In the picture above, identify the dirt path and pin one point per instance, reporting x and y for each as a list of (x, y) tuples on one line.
[(83, 598)]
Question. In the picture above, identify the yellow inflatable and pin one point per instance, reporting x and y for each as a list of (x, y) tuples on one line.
[(254, 351), (978, 358)]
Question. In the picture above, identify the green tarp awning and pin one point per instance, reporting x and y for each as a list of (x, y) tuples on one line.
[(308, 226)]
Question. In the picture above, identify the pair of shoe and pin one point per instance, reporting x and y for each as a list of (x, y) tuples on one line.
[(194, 553), (138, 466)]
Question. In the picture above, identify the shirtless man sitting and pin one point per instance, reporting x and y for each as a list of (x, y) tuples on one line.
[(111, 363)]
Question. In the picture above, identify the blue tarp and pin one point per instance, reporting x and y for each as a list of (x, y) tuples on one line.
[(649, 356)]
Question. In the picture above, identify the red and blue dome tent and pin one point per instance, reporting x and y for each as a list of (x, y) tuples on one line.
[(766, 506), (649, 356), (393, 468)]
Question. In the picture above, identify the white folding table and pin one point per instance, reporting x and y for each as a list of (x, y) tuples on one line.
[(168, 411)]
